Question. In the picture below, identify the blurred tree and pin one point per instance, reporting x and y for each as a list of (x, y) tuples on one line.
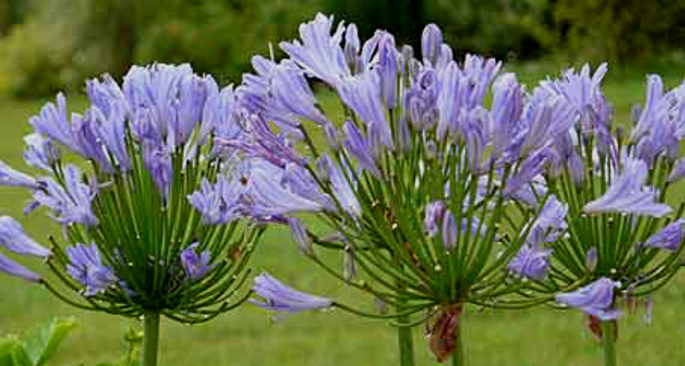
[(11, 13)]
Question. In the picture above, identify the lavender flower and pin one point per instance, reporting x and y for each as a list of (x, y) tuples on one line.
[(86, 268), (669, 238), (528, 169), (86, 138), (40, 152), (449, 231), (13, 238), (319, 54), (53, 122), (507, 107), (678, 172), (431, 43), (352, 45), (195, 265), (595, 299), (358, 146), (342, 188), (532, 261), (550, 223), (70, 205), (362, 93), (301, 182), (217, 203), (434, 215), (17, 270), (279, 297), (627, 194), (290, 88), (591, 258), (13, 178), (388, 69), (299, 234), (158, 163)]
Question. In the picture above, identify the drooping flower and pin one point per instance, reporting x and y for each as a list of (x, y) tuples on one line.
[(195, 265), (596, 299), (87, 268), (669, 238), (12, 237), (532, 261), (17, 270), (628, 194), (13, 178), (279, 297), (40, 152), (299, 234), (70, 205), (550, 223)]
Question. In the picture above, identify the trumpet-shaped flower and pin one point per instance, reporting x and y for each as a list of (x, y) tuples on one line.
[(12, 237), (195, 265), (86, 268), (669, 238), (17, 270), (299, 234), (628, 194), (279, 297), (319, 53), (70, 205), (532, 261), (13, 178), (40, 152), (595, 299), (218, 203)]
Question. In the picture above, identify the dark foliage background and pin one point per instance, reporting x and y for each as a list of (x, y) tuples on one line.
[(49, 45)]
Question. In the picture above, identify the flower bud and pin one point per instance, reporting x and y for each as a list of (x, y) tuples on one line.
[(449, 231), (332, 136), (431, 42), (591, 259)]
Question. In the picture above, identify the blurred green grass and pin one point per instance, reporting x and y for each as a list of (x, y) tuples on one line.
[(248, 336)]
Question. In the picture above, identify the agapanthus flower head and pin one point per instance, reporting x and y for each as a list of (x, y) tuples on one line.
[(157, 182), (279, 297), (596, 299)]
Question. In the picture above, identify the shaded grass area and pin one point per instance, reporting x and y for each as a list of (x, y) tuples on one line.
[(248, 336)]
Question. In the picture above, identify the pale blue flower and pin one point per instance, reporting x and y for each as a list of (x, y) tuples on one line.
[(388, 69), (319, 54), (352, 46), (362, 93), (17, 270), (532, 261), (550, 222), (678, 171), (360, 149), (13, 178), (343, 188), (279, 297), (434, 213), (195, 265), (668, 238), (218, 203), (70, 205), (86, 267), (53, 122), (628, 194), (158, 163), (299, 234), (40, 152), (449, 231), (596, 299), (431, 43), (507, 109), (13, 238)]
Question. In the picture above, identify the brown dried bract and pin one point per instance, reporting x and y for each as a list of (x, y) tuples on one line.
[(595, 326), (444, 333)]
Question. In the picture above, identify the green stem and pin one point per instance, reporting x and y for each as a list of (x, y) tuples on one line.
[(458, 354), (609, 342), (151, 338), (404, 334)]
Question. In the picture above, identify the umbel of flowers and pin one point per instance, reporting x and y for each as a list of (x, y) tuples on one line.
[(150, 215), (415, 183), (623, 241)]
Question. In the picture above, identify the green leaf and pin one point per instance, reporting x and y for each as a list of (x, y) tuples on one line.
[(41, 342), (20, 357), (7, 346)]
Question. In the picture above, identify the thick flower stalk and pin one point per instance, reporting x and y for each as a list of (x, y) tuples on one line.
[(151, 215), (623, 236), (418, 176)]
